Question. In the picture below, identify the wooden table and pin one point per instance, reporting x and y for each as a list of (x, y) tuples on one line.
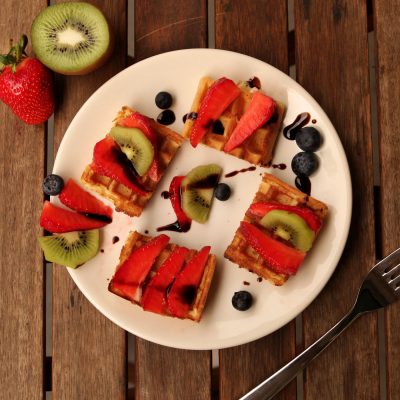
[(332, 45)]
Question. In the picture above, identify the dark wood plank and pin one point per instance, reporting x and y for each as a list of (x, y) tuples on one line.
[(22, 162), (163, 372), (91, 362), (246, 27), (387, 32), (163, 26), (332, 64)]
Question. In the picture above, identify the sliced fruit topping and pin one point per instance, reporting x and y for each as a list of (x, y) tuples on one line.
[(175, 197), (184, 289), (261, 208), (242, 300), (289, 226), (216, 100), (108, 160), (139, 121), (280, 258), (130, 276), (53, 184), (260, 110), (77, 198), (58, 220), (136, 146), (197, 190), (71, 249), (155, 295)]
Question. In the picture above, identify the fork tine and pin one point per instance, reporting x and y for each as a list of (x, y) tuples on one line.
[(388, 262), (395, 284)]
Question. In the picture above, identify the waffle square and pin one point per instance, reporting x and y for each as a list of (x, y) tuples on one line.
[(136, 240), (258, 148), (271, 189), (125, 199)]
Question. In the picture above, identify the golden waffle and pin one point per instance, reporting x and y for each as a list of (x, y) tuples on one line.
[(271, 189), (124, 198), (135, 240), (258, 148)]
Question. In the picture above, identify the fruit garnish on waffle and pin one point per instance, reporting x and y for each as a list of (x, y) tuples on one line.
[(131, 160), (250, 119), (278, 230), (162, 277)]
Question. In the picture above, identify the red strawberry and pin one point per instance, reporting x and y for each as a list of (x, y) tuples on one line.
[(26, 85), (184, 289), (137, 120), (58, 220), (217, 98), (260, 110), (175, 197), (108, 160), (154, 297), (262, 208), (281, 258), (130, 276), (75, 197)]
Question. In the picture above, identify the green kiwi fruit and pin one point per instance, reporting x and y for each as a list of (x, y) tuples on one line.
[(134, 143), (70, 249), (291, 227), (71, 38), (198, 191)]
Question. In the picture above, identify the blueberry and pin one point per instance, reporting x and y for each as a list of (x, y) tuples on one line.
[(167, 117), (308, 139), (163, 100), (242, 300), (304, 163), (222, 192), (52, 185)]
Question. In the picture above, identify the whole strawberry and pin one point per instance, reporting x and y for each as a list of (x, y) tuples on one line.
[(26, 85)]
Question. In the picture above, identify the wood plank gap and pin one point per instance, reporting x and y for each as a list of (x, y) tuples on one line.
[(382, 355), (211, 24)]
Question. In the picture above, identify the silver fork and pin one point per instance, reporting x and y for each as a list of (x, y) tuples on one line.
[(380, 288)]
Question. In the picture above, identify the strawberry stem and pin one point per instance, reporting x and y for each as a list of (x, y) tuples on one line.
[(15, 54)]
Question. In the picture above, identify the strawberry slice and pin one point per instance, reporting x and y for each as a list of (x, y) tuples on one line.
[(281, 258), (108, 160), (260, 110), (137, 120), (130, 276), (175, 197), (75, 197), (262, 208), (59, 220), (184, 289), (217, 98), (154, 296)]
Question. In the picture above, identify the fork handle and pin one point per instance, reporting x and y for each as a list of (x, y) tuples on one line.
[(276, 382)]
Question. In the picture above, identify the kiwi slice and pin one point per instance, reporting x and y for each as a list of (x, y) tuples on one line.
[(291, 227), (70, 249), (134, 143), (198, 191), (71, 38)]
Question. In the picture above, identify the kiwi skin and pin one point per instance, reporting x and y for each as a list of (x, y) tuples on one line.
[(95, 65)]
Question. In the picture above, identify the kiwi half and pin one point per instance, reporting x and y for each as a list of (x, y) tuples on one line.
[(198, 191), (71, 38), (134, 143), (70, 249), (291, 227)]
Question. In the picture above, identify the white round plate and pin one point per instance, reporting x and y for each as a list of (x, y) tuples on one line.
[(222, 326)]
